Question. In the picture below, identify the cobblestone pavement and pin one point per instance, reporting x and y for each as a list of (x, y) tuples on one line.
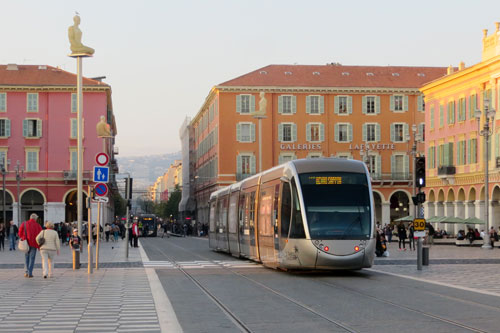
[(115, 298)]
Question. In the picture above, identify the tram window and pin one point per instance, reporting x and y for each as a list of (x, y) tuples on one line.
[(212, 216), (286, 207), (233, 206), (251, 206), (241, 214), (297, 227)]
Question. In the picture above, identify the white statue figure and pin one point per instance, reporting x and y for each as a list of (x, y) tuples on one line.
[(262, 105), (75, 39)]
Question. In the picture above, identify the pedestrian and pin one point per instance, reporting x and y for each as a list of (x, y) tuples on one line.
[(185, 227), (402, 235), (12, 231), (75, 242), (431, 233), (411, 236), (48, 248), (135, 234), (381, 246), (388, 232), (165, 232), (107, 231), (28, 231), (2, 236), (493, 237)]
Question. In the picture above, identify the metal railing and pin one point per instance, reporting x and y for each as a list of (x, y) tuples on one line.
[(446, 170), (70, 175)]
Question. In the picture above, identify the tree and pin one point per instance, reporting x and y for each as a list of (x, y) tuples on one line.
[(120, 205)]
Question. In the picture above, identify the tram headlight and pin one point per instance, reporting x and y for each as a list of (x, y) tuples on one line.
[(356, 248)]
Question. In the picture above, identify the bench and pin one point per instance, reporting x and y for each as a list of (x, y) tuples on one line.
[(466, 242)]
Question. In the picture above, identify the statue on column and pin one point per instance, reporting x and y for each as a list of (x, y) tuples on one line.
[(75, 39), (262, 105), (103, 129)]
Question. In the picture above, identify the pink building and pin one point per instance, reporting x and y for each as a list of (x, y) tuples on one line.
[(38, 134)]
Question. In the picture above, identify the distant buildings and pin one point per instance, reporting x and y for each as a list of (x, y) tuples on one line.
[(38, 132), (455, 150), (359, 112), (165, 184)]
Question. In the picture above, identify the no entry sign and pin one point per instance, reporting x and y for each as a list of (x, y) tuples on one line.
[(101, 189), (102, 159)]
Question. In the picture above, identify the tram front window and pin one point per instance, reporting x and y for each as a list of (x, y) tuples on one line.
[(337, 205)]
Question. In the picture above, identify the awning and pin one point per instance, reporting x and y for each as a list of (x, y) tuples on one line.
[(408, 218), (474, 220)]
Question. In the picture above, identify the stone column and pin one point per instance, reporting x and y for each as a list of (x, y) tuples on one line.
[(55, 211), (449, 208), (386, 213), (14, 212)]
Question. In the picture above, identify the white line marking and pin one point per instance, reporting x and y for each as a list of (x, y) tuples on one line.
[(485, 292), (166, 315)]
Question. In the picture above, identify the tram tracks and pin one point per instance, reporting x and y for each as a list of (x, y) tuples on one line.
[(338, 323)]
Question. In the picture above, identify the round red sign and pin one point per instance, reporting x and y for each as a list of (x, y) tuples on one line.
[(102, 159)]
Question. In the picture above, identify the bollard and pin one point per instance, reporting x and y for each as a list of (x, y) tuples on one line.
[(76, 259), (425, 256)]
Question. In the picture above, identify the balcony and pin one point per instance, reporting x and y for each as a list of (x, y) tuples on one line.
[(446, 170), (390, 178), (70, 175)]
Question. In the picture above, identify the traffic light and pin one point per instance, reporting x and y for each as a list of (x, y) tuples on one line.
[(421, 197), (420, 171), (128, 188)]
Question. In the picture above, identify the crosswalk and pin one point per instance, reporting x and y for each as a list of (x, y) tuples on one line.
[(200, 264)]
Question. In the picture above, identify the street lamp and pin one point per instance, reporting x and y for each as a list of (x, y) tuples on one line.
[(19, 175), (486, 132), (416, 139), (4, 172)]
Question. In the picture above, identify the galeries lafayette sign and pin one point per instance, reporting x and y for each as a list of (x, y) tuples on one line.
[(304, 146), (373, 146)]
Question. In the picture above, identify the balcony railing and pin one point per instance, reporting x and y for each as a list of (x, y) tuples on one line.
[(70, 175), (394, 176), (446, 170)]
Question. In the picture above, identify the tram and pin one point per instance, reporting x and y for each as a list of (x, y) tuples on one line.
[(308, 214), (147, 224)]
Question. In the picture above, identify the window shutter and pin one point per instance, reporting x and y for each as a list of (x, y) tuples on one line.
[(308, 132), (321, 104), (238, 104), (39, 128), (364, 132), (377, 132), (446, 160), (441, 116), (321, 132), (469, 151), (25, 128), (74, 127), (393, 165), (280, 159), (252, 103), (393, 132), (336, 106), (378, 171), (349, 104), (405, 103), (464, 112), (294, 132), (294, 104), (308, 104), (238, 132), (7, 127), (377, 104), (364, 105), (419, 103), (252, 164), (392, 103), (450, 155), (336, 134), (407, 166), (280, 132), (252, 132), (74, 106), (429, 154), (405, 127), (349, 137), (432, 117), (453, 112), (238, 164), (280, 104)]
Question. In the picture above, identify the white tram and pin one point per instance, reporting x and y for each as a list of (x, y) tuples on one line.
[(313, 214)]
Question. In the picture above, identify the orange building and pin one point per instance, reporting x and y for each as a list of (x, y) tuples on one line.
[(358, 112), (455, 148)]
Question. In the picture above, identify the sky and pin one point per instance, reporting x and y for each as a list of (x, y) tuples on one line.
[(161, 58)]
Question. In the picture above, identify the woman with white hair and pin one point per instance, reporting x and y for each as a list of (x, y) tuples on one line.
[(48, 248)]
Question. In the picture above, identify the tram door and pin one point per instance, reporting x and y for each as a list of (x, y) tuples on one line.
[(221, 229), (268, 224), (212, 241)]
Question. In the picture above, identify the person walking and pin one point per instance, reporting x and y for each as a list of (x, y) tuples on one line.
[(2, 236), (135, 234), (28, 231), (402, 235), (48, 248), (76, 244), (411, 236), (12, 231)]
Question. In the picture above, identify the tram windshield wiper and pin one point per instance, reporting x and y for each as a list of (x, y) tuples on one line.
[(352, 224)]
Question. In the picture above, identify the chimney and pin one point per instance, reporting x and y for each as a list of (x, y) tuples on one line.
[(461, 66), (498, 26), (450, 70), (12, 67), (42, 67), (485, 33)]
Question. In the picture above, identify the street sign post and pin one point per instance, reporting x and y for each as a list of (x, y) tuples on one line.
[(419, 224), (100, 189), (101, 174), (100, 199)]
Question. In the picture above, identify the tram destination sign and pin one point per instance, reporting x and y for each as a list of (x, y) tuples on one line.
[(419, 224)]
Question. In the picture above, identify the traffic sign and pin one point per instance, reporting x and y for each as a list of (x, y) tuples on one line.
[(419, 234), (101, 189), (101, 199), (101, 174), (419, 224), (102, 159)]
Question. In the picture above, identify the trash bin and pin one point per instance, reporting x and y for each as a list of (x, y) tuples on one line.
[(425, 256)]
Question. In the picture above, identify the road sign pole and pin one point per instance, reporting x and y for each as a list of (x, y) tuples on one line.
[(98, 226), (89, 239)]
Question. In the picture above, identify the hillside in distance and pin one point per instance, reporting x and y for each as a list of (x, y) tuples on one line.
[(146, 169)]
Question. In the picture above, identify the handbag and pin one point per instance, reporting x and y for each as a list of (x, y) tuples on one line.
[(23, 243), (41, 240)]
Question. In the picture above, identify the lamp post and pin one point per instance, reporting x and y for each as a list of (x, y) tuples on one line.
[(489, 115), (4, 172), (19, 175)]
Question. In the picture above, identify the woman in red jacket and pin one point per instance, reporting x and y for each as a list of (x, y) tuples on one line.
[(28, 231)]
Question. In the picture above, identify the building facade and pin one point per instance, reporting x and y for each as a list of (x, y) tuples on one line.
[(455, 149), (359, 112), (38, 140)]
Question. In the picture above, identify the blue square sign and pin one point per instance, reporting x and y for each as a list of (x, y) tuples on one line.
[(101, 174)]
